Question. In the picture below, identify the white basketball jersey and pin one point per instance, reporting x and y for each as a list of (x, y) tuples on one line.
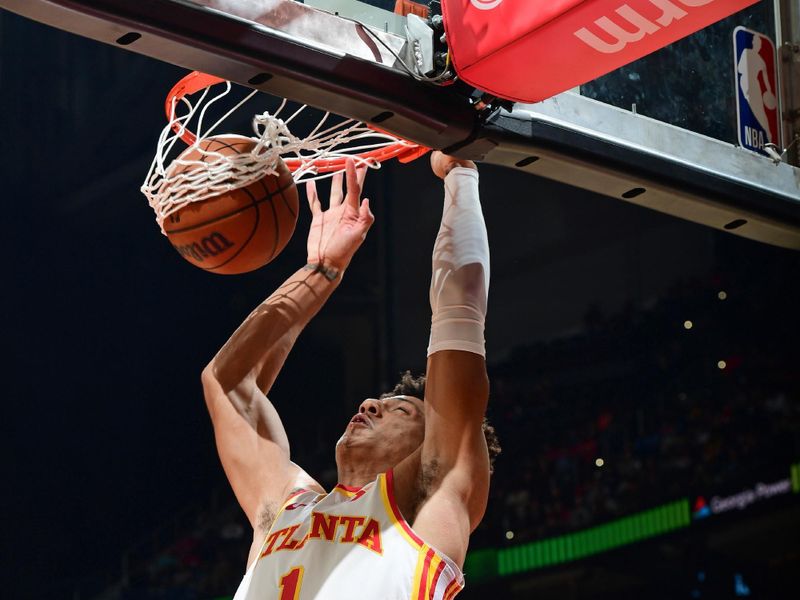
[(350, 543)]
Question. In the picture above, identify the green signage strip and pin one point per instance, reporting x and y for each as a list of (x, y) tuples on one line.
[(796, 478), (482, 565)]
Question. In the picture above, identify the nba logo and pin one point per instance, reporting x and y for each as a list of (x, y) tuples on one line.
[(756, 90)]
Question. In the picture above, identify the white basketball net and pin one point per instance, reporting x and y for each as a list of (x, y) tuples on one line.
[(169, 189)]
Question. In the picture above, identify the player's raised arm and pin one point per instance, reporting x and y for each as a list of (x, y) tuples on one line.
[(250, 437), (454, 451)]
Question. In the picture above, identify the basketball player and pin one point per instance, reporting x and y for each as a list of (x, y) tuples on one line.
[(413, 474)]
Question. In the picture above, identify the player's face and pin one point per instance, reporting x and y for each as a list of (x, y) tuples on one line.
[(397, 422)]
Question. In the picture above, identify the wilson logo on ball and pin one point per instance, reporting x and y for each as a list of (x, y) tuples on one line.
[(241, 229), (212, 245), (486, 4)]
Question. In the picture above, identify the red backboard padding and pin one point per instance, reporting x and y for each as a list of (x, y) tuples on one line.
[(530, 50)]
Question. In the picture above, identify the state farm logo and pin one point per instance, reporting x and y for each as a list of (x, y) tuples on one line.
[(630, 26), (485, 4)]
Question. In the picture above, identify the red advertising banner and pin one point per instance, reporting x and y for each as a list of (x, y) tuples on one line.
[(530, 50)]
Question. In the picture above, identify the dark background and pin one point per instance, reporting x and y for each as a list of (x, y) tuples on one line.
[(106, 442)]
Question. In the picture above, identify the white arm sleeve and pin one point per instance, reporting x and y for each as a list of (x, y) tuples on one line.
[(460, 279)]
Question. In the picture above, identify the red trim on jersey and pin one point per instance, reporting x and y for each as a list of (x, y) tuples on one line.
[(452, 589), (348, 488), (294, 494), (423, 580), (397, 514), (439, 570)]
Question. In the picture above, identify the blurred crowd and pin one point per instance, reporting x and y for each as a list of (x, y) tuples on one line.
[(689, 393), (643, 408), (203, 562)]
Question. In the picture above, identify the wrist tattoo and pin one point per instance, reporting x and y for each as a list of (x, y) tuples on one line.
[(330, 274)]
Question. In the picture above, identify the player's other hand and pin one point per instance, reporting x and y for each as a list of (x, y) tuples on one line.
[(336, 233), (442, 164)]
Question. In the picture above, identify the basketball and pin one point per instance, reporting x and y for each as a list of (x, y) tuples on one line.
[(240, 230), (770, 102)]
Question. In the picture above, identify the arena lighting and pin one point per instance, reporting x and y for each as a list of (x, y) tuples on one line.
[(740, 588), (599, 462), (722, 295), (489, 563), (688, 324), (721, 365), (509, 535)]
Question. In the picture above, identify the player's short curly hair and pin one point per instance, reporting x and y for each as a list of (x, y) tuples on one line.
[(415, 386)]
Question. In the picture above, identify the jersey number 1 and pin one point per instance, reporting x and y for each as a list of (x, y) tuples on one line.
[(290, 584)]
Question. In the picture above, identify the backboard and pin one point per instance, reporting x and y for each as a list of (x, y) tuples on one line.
[(660, 132)]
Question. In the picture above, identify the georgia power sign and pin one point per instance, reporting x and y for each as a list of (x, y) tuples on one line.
[(740, 500)]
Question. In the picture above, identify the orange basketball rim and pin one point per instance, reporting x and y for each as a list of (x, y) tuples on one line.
[(197, 81)]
